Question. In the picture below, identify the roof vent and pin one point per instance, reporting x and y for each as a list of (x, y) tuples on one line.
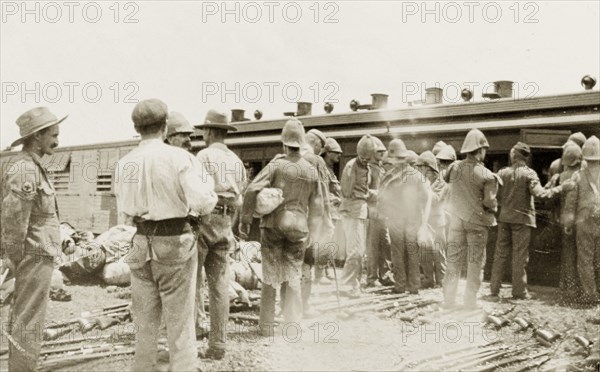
[(304, 109), (433, 96), (328, 107), (466, 95), (238, 115), (588, 82), (258, 114), (502, 89), (378, 101)]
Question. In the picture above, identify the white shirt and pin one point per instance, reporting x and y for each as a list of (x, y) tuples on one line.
[(226, 169), (157, 181)]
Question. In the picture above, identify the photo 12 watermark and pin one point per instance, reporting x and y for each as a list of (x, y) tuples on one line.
[(70, 11), (470, 11), (270, 12), (269, 91), (420, 92), (69, 91)]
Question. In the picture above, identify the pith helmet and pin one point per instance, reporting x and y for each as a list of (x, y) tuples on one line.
[(555, 167), (331, 145), (379, 146), (319, 135), (397, 148), (474, 141), (571, 154), (591, 149), (447, 153), (366, 147), (439, 146), (578, 138), (177, 123), (292, 134), (412, 157), (427, 158)]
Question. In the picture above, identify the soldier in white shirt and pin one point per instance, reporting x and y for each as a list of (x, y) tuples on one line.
[(163, 190)]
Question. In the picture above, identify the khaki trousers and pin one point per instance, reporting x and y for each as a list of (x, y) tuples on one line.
[(588, 257), (28, 311), (465, 241), (167, 290), (511, 237), (405, 254), (355, 231)]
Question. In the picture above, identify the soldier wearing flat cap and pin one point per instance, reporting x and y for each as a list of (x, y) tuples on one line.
[(216, 236), (30, 234), (519, 185), (163, 190)]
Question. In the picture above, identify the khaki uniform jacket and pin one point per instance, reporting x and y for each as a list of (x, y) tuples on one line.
[(30, 222), (324, 180), (300, 185), (472, 192), (335, 194), (377, 171), (581, 200), (356, 178), (520, 184), (439, 189), (403, 194)]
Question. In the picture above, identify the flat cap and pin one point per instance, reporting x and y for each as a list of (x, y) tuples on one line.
[(149, 112), (522, 148), (331, 145)]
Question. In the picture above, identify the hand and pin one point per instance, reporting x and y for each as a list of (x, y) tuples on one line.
[(244, 230), (372, 195), (568, 230), (568, 185)]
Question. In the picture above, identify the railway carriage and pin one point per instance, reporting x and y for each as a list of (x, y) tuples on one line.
[(84, 175)]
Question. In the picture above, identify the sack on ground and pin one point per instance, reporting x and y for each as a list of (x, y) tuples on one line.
[(116, 273)]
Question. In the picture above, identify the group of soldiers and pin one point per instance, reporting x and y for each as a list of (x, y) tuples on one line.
[(408, 213)]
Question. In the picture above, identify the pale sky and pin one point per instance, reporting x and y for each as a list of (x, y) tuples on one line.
[(180, 51)]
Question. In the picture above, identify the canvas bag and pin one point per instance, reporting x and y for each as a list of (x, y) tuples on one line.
[(293, 223)]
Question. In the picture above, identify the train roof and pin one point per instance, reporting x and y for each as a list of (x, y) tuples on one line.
[(573, 109)]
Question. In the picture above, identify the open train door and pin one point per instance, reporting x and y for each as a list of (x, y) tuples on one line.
[(545, 246)]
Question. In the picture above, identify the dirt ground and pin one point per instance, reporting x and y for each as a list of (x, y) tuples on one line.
[(366, 341)]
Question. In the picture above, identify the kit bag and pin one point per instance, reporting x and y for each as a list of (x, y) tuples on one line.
[(292, 223)]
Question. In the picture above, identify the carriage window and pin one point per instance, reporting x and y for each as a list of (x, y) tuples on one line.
[(60, 180), (104, 181)]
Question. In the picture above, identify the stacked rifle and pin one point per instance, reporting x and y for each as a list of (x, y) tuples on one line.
[(493, 356), (374, 301), (56, 353), (101, 319)]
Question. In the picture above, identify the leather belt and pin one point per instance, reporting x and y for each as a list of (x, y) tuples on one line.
[(168, 227), (223, 209)]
